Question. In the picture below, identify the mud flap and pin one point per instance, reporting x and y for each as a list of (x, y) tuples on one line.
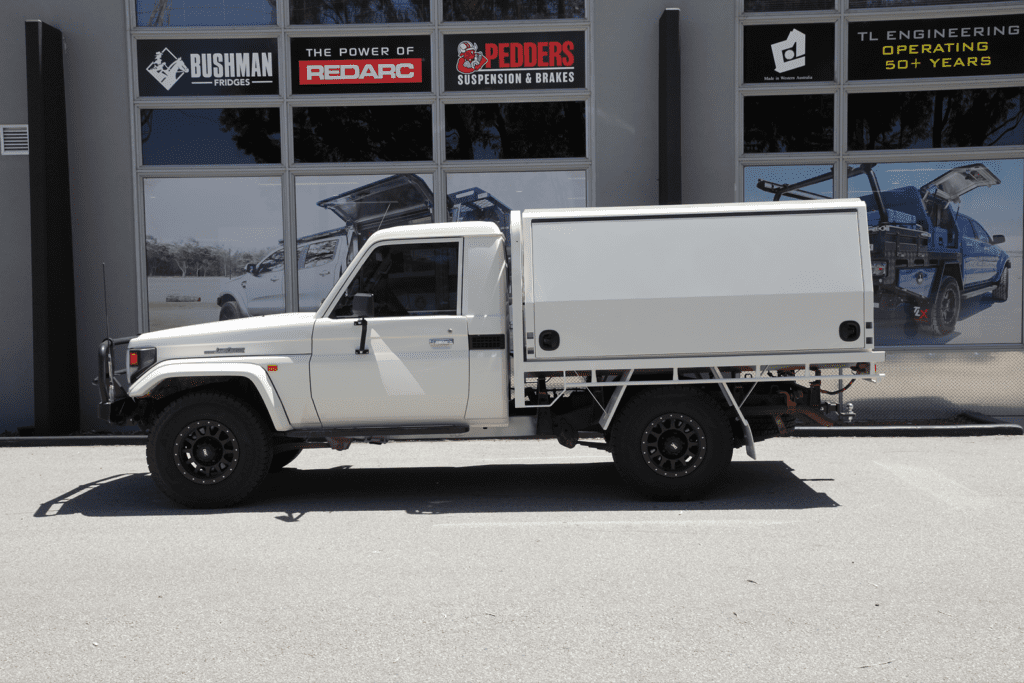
[(748, 435)]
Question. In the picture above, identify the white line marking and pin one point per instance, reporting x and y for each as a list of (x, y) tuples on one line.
[(624, 522)]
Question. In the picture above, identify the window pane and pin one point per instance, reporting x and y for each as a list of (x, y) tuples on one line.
[(869, 4), (206, 12), (522, 130), (377, 133), (407, 279), (211, 136), (790, 123), (930, 119), (358, 11), (784, 183), (213, 249), (512, 10), (786, 5)]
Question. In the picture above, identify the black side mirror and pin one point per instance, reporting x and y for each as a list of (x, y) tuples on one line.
[(362, 305), (250, 268), (998, 239)]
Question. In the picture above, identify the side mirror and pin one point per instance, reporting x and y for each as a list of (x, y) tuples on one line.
[(362, 305), (998, 239), (250, 268)]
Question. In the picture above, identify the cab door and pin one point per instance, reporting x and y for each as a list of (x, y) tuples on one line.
[(416, 366)]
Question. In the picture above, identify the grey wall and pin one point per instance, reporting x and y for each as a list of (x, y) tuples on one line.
[(95, 72), (626, 101)]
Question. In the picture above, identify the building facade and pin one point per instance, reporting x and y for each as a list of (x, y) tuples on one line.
[(228, 158)]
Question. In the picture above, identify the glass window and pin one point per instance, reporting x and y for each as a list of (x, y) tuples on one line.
[(407, 279), (512, 10), (210, 136), (788, 123), (374, 133), (782, 183), (320, 252), (206, 12), (884, 4), (213, 249), (358, 11), (517, 130), (932, 119), (787, 5)]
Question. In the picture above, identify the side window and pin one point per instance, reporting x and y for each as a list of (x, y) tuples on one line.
[(407, 279), (980, 232), (966, 227), (320, 253), (271, 263)]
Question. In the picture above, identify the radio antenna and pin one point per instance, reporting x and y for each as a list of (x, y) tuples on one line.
[(106, 313)]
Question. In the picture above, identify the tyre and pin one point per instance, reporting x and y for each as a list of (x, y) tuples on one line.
[(672, 444), (1002, 290), (230, 310), (946, 308), (208, 450), (281, 460)]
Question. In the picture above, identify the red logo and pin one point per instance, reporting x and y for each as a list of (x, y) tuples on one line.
[(360, 71), (471, 59)]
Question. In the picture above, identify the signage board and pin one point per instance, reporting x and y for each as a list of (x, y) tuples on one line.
[(197, 67), (360, 64), (789, 53), (514, 61), (937, 48)]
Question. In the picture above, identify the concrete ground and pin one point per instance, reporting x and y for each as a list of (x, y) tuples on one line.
[(824, 560)]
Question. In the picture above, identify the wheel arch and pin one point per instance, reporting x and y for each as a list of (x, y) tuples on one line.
[(247, 380)]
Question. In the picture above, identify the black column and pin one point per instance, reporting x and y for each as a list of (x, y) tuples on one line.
[(53, 282), (670, 127)]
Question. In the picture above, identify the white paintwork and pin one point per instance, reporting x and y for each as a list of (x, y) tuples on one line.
[(769, 280), (253, 369)]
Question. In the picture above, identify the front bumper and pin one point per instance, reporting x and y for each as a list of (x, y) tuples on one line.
[(115, 405)]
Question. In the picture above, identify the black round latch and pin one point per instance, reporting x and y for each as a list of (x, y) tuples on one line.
[(849, 331), (548, 340)]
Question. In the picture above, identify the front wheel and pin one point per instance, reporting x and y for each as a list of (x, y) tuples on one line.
[(208, 450), (1002, 290), (230, 310), (672, 444)]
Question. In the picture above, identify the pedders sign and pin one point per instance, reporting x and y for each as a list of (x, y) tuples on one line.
[(515, 61), (361, 64)]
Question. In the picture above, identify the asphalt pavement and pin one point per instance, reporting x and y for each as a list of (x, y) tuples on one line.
[(827, 559)]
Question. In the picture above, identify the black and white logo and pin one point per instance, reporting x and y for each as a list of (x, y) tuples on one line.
[(790, 53), (166, 68)]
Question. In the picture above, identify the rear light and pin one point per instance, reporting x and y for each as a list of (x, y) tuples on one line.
[(879, 268), (140, 360)]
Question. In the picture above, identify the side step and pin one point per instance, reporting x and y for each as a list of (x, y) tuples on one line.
[(358, 432)]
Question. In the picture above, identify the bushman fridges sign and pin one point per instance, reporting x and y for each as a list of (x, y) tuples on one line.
[(514, 61), (190, 68), (360, 64)]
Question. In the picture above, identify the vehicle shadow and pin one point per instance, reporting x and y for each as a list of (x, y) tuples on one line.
[(573, 487)]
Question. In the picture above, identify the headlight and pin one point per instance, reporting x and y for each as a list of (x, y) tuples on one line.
[(878, 268), (140, 360)]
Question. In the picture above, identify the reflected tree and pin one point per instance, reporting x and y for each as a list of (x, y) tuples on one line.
[(190, 258), (256, 132), (517, 130), (512, 10), (378, 133), (358, 11), (790, 123)]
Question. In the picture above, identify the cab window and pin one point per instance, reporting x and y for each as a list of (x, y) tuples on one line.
[(320, 253), (407, 279), (272, 263)]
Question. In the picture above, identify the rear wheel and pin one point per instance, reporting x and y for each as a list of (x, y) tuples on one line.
[(672, 444), (208, 450), (230, 310), (946, 308), (1002, 290)]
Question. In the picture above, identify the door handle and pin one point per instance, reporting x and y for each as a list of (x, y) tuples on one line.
[(325, 273), (442, 343), (274, 279)]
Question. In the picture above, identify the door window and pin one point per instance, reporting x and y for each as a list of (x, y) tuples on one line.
[(407, 279), (320, 253)]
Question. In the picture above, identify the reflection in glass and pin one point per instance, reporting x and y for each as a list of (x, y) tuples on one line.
[(931, 119), (517, 130), (211, 136), (512, 10), (358, 11), (783, 183), (375, 133), (786, 5), (213, 249), (871, 4), (788, 123), (205, 12)]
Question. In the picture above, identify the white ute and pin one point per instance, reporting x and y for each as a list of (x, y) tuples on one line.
[(676, 333)]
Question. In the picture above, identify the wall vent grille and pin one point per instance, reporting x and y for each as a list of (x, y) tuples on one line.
[(13, 139)]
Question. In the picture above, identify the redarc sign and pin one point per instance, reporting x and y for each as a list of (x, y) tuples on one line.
[(187, 68), (360, 64)]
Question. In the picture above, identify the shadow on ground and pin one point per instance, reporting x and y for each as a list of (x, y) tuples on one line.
[(448, 490)]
